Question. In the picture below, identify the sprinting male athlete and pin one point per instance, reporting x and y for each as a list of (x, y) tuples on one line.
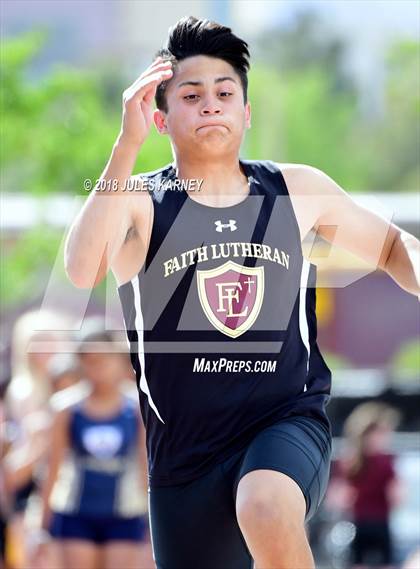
[(219, 304)]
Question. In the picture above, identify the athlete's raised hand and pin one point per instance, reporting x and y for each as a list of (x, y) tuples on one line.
[(138, 99)]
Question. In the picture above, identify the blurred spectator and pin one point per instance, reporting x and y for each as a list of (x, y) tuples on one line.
[(63, 372), (373, 489), (27, 419), (4, 502), (29, 389), (95, 494)]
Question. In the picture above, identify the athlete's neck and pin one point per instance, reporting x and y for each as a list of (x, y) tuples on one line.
[(103, 402), (224, 183)]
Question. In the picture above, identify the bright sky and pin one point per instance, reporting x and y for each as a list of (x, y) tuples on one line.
[(390, 16)]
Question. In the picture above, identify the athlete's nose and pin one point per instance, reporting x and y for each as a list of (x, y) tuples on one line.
[(211, 107)]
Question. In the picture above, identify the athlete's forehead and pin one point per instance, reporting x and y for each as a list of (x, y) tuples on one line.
[(201, 70), (200, 83)]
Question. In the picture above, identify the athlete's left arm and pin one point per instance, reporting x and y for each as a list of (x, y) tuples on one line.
[(334, 215), (142, 458)]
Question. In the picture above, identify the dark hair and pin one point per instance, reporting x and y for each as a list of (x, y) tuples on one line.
[(94, 338), (191, 36)]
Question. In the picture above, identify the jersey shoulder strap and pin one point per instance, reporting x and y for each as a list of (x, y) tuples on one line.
[(268, 173)]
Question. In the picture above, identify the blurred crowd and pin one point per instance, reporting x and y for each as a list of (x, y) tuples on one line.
[(73, 477), (364, 486)]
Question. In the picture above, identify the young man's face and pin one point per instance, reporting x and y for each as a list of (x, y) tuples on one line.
[(102, 369), (206, 111)]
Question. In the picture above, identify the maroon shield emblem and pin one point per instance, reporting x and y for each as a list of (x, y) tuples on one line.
[(231, 296)]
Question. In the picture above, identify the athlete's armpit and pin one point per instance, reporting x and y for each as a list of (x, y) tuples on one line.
[(131, 256), (131, 234)]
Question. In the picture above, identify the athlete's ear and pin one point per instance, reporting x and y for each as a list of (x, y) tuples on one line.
[(160, 121), (248, 114)]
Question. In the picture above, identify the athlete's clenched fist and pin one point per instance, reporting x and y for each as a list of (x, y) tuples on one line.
[(137, 102)]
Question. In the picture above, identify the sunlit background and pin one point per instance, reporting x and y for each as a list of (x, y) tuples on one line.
[(333, 84)]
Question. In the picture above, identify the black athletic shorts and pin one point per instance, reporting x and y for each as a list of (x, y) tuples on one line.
[(98, 529), (194, 525)]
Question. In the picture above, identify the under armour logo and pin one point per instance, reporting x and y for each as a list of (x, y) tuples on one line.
[(220, 226)]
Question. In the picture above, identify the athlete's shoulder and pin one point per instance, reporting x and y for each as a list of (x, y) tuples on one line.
[(290, 169), (129, 402), (301, 179), (283, 178), (260, 167), (153, 183), (158, 172), (129, 390)]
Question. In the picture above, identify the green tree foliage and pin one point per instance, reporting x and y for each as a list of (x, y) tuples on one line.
[(397, 139), (405, 363), (314, 108), (298, 118), (57, 131)]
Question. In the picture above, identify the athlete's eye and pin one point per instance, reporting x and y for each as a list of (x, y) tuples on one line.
[(226, 93), (189, 97)]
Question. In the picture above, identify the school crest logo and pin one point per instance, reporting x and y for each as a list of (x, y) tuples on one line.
[(231, 296)]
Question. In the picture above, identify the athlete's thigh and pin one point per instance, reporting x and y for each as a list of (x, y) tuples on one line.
[(80, 554), (122, 538), (124, 554), (298, 447), (194, 526)]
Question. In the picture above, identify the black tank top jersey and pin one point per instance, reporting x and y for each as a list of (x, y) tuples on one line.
[(221, 324)]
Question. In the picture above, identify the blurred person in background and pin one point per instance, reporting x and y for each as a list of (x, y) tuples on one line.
[(27, 418), (66, 386), (21, 462), (4, 502), (366, 467), (30, 389), (95, 494), (63, 372)]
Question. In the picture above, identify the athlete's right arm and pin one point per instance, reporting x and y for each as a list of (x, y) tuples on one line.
[(59, 443), (100, 228)]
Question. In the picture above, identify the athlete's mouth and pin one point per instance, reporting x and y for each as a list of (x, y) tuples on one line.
[(211, 124)]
